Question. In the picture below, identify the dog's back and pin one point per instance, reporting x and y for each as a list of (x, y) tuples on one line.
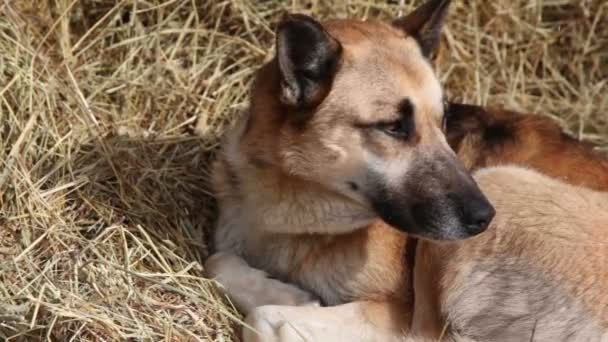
[(484, 137), (540, 272)]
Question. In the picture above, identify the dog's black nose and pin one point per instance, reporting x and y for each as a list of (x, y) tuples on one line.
[(477, 215)]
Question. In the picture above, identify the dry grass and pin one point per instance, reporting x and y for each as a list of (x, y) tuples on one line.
[(105, 203)]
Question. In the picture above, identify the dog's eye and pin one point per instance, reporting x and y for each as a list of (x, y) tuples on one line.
[(396, 129)]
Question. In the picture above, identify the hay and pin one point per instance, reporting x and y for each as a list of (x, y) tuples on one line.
[(110, 111)]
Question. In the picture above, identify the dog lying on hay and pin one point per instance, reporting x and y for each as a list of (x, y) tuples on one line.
[(338, 186)]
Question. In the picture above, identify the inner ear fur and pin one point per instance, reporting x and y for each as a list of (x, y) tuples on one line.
[(308, 57)]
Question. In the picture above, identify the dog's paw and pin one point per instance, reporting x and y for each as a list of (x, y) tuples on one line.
[(223, 262), (270, 324), (346, 322), (249, 288), (288, 295)]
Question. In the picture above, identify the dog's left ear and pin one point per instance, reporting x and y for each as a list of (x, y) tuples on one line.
[(425, 24), (308, 57)]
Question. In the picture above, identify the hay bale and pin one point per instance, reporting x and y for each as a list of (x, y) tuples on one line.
[(110, 111)]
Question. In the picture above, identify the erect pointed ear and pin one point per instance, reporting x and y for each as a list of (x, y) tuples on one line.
[(308, 58), (425, 24)]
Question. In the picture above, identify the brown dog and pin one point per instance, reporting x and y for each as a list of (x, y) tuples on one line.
[(344, 135), (490, 136)]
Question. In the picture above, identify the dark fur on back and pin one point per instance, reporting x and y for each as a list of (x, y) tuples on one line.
[(485, 137)]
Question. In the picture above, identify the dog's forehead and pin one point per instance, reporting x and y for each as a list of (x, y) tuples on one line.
[(383, 65), (351, 31), (371, 39)]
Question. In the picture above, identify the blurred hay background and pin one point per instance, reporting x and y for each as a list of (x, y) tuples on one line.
[(110, 110)]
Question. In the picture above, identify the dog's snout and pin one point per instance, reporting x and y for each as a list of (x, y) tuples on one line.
[(477, 214), (439, 201)]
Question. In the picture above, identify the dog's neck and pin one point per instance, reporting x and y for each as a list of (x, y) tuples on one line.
[(279, 203), (283, 204)]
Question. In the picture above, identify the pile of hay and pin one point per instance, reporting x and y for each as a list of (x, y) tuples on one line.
[(110, 111)]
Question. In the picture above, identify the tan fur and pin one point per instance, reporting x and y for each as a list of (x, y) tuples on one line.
[(539, 272), (286, 209)]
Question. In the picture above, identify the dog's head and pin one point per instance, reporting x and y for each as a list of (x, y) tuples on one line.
[(356, 107)]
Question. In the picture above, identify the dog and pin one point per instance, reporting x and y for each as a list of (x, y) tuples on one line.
[(340, 160), (485, 137), (539, 273), (482, 137)]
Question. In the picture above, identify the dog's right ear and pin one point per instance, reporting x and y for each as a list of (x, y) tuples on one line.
[(425, 24), (308, 57)]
